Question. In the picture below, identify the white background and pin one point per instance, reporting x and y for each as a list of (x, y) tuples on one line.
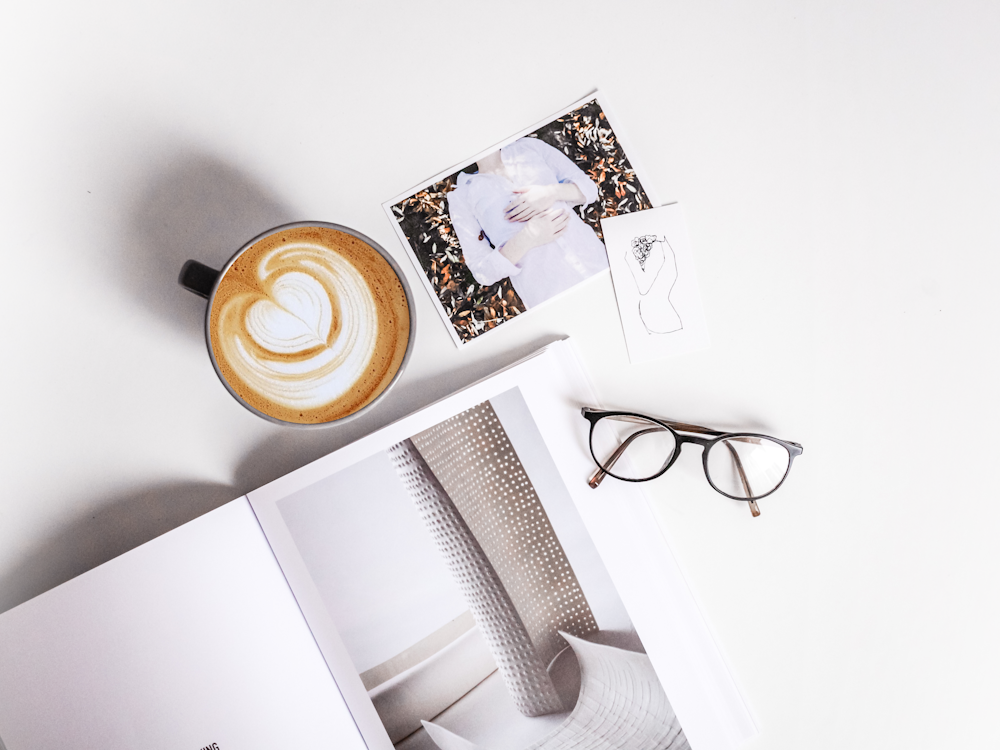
[(838, 164)]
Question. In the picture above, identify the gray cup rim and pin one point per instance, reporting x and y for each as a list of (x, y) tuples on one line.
[(409, 306)]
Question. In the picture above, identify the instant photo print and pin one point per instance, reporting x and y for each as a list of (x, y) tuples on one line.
[(519, 224)]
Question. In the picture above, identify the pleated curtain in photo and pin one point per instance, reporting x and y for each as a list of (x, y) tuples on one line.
[(485, 517)]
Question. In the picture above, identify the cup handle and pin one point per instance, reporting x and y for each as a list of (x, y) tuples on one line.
[(198, 278)]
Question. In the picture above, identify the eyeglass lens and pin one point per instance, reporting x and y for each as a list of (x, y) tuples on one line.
[(745, 466), (630, 447)]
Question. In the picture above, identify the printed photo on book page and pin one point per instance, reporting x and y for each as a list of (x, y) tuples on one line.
[(653, 269), (520, 223), (463, 598), (469, 596)]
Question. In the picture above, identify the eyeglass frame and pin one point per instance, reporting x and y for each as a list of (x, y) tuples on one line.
[(593, 416)]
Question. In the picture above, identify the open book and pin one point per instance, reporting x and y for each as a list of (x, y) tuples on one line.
[(447, 582)]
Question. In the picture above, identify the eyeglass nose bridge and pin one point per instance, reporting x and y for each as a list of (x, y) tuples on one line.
[(681, 439)]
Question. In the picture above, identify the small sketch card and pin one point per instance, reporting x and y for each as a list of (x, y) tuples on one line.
[(652, 267)]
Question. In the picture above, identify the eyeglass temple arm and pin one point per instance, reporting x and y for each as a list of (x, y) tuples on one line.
[(598, 476), (754, 510), (682, 426), (685, 427)]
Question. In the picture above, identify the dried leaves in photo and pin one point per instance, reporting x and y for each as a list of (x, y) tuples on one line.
[(586, 137), (471, 307)]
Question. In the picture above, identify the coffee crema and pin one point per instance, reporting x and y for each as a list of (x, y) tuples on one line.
[(309, 325)]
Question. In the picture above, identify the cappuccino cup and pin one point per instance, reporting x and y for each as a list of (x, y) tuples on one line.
[(308, 324)]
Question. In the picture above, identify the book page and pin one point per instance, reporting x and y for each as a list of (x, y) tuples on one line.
[(190, 641), (469, 590)]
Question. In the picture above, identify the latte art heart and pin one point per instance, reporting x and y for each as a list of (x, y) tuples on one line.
[(297, 317), (304, 331)]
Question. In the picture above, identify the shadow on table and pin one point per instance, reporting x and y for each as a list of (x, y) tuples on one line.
[(123, 522), (117, 525), (199, 207)]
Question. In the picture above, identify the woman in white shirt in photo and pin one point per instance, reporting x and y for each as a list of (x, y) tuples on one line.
[(514, 218)]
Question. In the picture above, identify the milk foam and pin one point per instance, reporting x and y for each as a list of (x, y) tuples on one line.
[(296, 318), (304, 334)]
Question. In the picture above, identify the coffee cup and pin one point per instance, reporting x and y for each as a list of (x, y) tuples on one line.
[(308, 324)]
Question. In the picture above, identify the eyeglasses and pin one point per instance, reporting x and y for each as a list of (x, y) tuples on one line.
[(740, 465)]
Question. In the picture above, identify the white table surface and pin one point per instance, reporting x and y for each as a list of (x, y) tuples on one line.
[(839, 167)]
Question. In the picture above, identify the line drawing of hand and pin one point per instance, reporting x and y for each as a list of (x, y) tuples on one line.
[(653, 265)]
